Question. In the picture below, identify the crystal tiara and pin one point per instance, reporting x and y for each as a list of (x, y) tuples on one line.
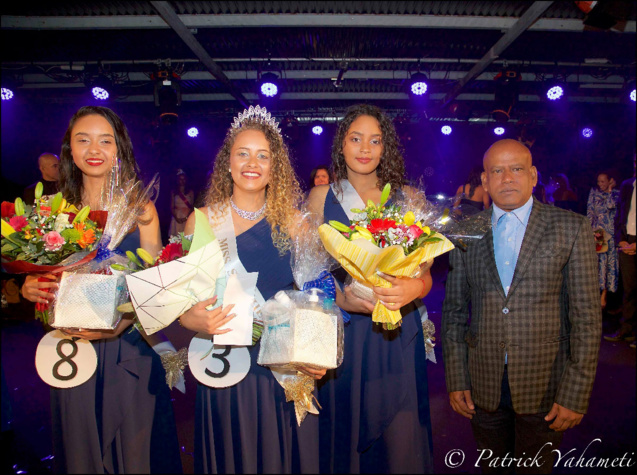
[(258, 113)]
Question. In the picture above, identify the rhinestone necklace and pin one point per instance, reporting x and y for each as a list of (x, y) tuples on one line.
[(249, 215)]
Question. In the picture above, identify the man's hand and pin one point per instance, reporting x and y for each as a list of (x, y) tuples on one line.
[(564, 418), (626, 248), (462, 403)]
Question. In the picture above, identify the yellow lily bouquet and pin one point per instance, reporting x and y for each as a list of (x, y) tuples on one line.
[(382, 238)]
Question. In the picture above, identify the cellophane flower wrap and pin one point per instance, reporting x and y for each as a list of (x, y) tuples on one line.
[(88, 296), (394, 239), (304, 327), (49, 237)]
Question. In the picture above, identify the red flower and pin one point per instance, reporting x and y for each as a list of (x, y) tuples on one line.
[(8, 209), (171, 252), (380, 225), (18, 222), (414, 231), (97, 216)]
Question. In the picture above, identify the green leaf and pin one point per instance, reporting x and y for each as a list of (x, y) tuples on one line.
[(385, 194)]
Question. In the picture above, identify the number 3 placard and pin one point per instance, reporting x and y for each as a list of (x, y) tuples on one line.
[(64, 362), (219, 366)]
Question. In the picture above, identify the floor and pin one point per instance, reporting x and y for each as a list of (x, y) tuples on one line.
[(607, 432)]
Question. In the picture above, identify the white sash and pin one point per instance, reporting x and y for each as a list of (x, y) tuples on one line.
[(349, 199), (240, 279)]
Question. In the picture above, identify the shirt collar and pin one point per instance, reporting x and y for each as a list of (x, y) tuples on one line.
[(522, 213)]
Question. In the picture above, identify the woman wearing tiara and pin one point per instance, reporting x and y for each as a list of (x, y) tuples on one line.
[(121, 420), (181, 204), (252, 201), (375, 415)]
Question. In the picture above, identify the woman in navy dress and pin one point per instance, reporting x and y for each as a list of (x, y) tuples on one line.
[(121, 420), (375, 415), (249, 427)]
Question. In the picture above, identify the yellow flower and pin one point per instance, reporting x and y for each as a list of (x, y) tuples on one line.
[(409, 218)]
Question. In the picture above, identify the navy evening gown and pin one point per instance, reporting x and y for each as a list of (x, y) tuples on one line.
[(249, 427), (375, 416), (121, 420)]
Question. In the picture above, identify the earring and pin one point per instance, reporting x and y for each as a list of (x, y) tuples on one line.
[(229, 170)]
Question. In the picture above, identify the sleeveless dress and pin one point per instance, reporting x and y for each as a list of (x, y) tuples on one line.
[(182, 210), (469, 207), (121, 420), (249, 427), (375, 416)]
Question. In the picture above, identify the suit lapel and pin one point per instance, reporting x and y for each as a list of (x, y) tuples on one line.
[(530, 244), (485, 249)]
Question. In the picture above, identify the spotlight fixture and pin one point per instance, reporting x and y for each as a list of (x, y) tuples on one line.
[(7, 94), (446, 129), (317, 129), (268, 86), (192, 132), (506, 94), (418, 84), (101, 87), (498, 130), (587, 132), (632, 95), (555, 93), (167, 94)]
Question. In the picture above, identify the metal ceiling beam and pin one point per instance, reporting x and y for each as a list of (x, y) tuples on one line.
[(523, 24), (291, 20), (168, 14)]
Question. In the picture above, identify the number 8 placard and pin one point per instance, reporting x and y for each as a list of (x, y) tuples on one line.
[(217, 366), (63, 361)]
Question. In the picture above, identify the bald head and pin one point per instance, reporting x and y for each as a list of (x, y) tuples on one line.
[(49, 164), (509, 175)]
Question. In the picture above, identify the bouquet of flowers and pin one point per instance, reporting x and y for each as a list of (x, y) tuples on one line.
[(49, 237), (601, 240), (88, 296), (386, 239)]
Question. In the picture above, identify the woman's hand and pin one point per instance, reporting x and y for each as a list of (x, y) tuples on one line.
[(403, 290), (311, 372), (123, 324), (207, 321), (351, 303), (39, 292)]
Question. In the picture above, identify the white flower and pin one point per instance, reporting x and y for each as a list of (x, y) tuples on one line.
[(61, 222)]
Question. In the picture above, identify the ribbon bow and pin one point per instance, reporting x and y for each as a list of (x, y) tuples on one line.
[(299, 389), (325, 282), (103, 252)]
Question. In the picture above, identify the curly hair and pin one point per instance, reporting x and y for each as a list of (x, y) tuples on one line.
[(391, 168), (71, 182), (283, 192)]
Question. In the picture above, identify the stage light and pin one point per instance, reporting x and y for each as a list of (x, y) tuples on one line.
[(193, 132), (632, 95), (418, 84), (446, 129), (317, 130), (100, 93), (268, 86), (7, 94), (507, 86), (498, 130), (587, 132), (440, 196), (555, 93), (167, 94)]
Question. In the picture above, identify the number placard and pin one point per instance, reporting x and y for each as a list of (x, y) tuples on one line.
[(63, 361), (217, 366)]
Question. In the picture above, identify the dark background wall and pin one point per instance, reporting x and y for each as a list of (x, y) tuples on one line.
[(442, 162)]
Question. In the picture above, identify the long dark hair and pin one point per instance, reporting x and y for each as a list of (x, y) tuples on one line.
[(71, 183), (474, 180), (391, 168), (315, 171)]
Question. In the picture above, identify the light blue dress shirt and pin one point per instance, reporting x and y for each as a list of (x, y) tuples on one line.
[(508, 234)]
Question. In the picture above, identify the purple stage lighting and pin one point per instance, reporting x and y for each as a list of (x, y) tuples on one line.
[(419, 88), (7, 94), (100, 93), (632, 95), (269, 89), (445, 129), (555, 93), (193, 132), (317, 130), (587, 132), (498, 130)]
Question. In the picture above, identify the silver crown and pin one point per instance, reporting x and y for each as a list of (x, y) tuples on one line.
[(258, 113)]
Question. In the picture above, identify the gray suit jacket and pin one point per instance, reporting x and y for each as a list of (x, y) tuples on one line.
[(549, 324)]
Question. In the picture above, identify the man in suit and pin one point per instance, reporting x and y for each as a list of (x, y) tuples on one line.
[(625, 239), (521, 321)]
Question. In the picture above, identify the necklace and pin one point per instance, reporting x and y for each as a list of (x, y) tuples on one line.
[(249, 215)]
